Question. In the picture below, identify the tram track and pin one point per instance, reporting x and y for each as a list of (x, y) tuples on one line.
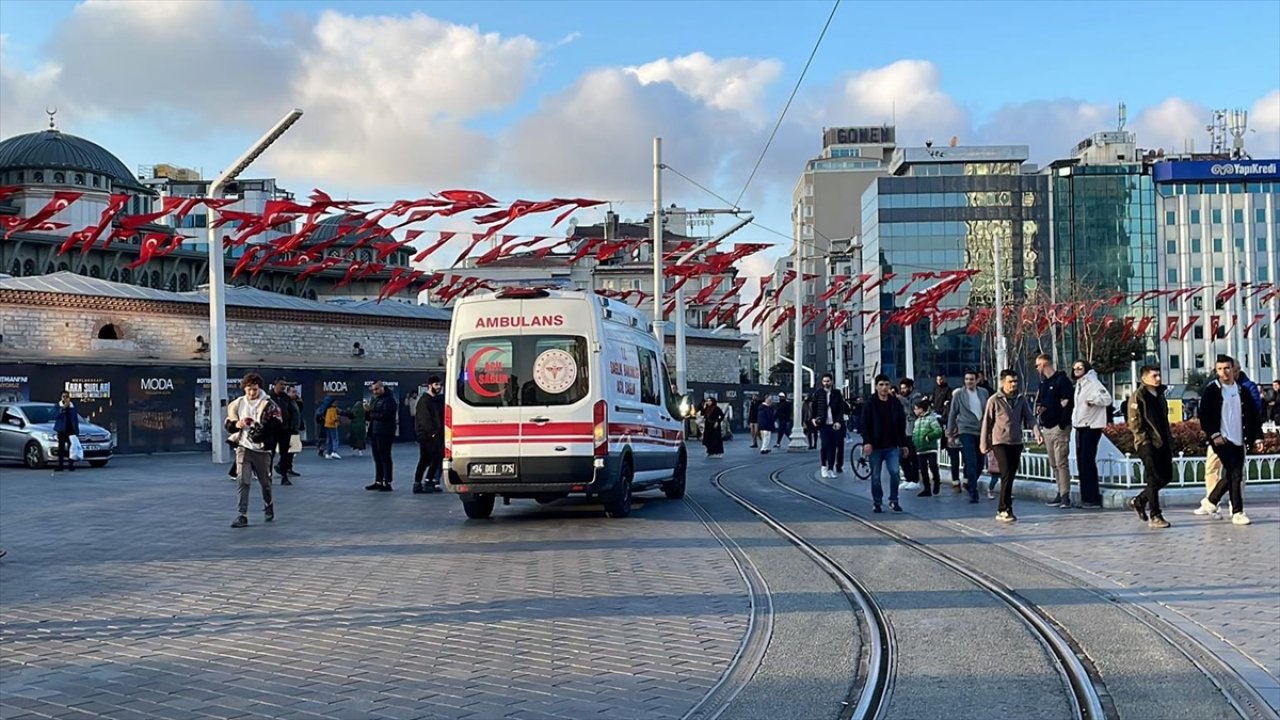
[(1243, 698), (870, 696)]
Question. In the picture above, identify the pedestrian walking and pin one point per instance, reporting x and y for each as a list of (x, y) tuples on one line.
[(295, 443), (1008, 414), (753, 420), (1055, 402), (254, 423), (884, 441), (1212, 463), (1273, 405), (1147, 415), (1091, 403), (358, 430), (384, 415), (66, 425), (906, 396), (924, 439), (828, 419), (328, 417), (964, 428), (712, 435), (783, 415), (810, 430), (941, 404), (1232, 423), (767, 420), (984, 384), (291, 424), (429, 430)]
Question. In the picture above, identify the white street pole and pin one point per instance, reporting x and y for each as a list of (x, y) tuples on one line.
[(657, 242), (998, 273), (217, 291), (798, 441), (840, 357), (911, 351)]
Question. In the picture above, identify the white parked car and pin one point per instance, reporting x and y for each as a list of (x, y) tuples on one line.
[(27, 436)]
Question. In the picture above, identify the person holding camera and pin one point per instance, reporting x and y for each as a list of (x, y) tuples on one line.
[(254, 423)]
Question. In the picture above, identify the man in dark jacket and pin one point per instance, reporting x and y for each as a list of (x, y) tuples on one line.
[(941, 404), (290, 425), (753, 420), (884, 434), (1148, 420), (782, 416), (428, 425), (66, 425), (1054, 404), (1231, 421), (828, 419), (384, 414)]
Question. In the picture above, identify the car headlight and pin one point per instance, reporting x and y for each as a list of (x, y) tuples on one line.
[(47, 436)]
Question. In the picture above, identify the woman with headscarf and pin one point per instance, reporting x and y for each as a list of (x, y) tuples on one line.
[(712, 431)]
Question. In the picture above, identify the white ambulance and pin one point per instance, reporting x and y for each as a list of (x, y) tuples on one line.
[(557, 392)]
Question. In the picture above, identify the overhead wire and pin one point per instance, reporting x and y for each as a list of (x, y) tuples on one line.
[(813, 53)]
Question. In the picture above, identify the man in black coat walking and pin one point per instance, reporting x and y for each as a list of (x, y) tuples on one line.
[(291, 424), (828, 419), (384, 415), (429, 428), (1232, 423)]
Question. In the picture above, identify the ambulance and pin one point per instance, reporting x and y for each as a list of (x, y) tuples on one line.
[(551, 393)]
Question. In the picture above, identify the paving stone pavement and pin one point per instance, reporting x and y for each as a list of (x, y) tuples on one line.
[(1218, 582), (126, 595)]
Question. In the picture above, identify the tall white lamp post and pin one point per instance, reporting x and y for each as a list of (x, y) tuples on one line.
[(217, 292)]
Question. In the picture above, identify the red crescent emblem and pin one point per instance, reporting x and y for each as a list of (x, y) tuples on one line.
[(473, 376)]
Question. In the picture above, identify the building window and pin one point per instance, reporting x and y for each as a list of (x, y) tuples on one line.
[(1266, 360), (1197, 275), (96, 181), (1217, 216), (1195, 217), (1195, 245), (37, 176), (1173, 276), (1239, 243), (1237, 215), (1260, 243), (1260, 215), (109, 332), (79, 178), (1198, 332), (1262, 273), (1217, 274), (1217, 245), (1170, 218), (59, 178), (1175, 362), (1171, 247)]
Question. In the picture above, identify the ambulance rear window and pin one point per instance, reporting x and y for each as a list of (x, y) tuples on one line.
[(526, 370)]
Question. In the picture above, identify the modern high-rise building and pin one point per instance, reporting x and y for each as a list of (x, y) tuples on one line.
[(947, 208), (1218, 227), (1103, 212), (826, 218)]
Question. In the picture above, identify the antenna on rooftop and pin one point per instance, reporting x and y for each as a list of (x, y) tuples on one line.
[(1238, 123), (1124, 117)]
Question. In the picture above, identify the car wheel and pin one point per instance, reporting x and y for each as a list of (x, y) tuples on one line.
[(33, 455), (478, 506), (617, 502), (674, 489), (98, 463)]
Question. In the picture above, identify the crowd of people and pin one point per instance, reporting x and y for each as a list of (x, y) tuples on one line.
[(264, 429)]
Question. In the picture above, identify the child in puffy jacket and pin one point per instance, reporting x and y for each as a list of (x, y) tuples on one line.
[(924, 438)]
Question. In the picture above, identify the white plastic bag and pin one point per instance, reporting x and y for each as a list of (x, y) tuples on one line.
[(77, 450)]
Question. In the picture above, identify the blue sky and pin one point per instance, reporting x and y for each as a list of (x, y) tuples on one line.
[(547, 105)]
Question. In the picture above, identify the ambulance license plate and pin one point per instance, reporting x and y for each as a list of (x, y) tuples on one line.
[(492, 470)]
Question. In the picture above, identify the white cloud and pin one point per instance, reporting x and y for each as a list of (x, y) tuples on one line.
[(1265, 121), (907, 90), (1171, 123), (387, 99), (736, 84), (1050, 127), (25, 95)]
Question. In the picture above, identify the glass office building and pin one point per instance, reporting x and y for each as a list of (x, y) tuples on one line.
[(1104, 237), (947, 209)]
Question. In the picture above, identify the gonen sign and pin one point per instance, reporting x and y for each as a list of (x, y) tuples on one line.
[(872, 135)]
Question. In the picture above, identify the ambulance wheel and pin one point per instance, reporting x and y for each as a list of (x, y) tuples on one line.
[(478, 507), (674, 490), (617, 502)]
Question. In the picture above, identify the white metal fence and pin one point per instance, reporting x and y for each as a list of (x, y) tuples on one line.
[(1123, 472)]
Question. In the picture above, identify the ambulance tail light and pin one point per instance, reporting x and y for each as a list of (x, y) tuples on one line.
[(600, 428), (448, 432)]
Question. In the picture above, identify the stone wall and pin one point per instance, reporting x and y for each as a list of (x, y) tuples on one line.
[(47, 326)]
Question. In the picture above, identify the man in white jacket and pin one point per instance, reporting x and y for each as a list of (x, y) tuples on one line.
[(1092, 405), (254, 425)]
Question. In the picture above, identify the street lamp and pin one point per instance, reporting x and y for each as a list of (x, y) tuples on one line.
[(217, 293), (798, 440)]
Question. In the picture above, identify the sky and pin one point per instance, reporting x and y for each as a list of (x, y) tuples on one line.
[(538, 99)]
